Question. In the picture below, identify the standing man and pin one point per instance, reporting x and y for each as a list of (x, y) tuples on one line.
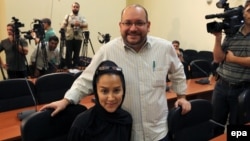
[(146, 61), (46, 59), (74, 24), (15, 50), (233, 54)]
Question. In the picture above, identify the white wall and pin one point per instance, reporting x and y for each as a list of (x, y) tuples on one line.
[(184, 20)]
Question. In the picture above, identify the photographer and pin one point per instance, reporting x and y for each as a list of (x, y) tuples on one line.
[(233, 54), (73, 24), (48, 31), (15, 50), (46, 59)]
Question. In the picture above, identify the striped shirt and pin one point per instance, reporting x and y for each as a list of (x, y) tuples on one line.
[(239, 44), (145, 75)]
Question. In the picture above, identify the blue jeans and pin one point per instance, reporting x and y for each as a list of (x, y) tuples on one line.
[(225, 104)]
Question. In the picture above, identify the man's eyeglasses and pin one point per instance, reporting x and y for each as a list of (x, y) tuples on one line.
[(109, 68), (137, 24)]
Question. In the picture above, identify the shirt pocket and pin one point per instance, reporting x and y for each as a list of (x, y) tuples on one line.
[(159, 77)]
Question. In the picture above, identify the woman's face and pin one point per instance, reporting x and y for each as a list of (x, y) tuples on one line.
[(110, 92)]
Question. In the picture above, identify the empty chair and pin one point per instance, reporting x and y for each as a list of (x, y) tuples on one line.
[(200, 68), (190, 55), (16, 93), (193, 126), (52, 87), (205, 55), (40, 126), (244, 107)]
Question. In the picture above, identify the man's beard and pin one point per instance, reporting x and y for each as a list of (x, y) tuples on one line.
[(75, 12)]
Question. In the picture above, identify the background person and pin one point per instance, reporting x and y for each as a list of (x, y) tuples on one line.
[(16, 63), (46, 60), (179, 53), (106, 121), (233, 54), (73, 24), (176, 45), (145, 61), (47, 29)]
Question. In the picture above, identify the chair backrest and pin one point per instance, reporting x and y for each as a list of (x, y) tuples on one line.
[(193, 126), (200, 68), (189, 55), (52, 87), (40, 126), (206, 55), (16, 93), (76, 75), (244, 107)]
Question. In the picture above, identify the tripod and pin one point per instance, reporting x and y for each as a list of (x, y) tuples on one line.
[(62, 45), (4, 78), (19, 55), (86, 40), (1, 68), (41, 46)]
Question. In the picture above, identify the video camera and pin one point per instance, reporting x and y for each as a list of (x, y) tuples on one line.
[(232, 19), (105, 38), (17, 25), (37, 28), (62, 32)]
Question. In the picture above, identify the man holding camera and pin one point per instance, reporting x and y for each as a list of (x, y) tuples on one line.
[(15, 49), (233, 54), (73, 25), (48, 31)]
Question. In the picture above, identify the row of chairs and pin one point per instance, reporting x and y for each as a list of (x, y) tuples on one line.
[(193, 58), (21, 92), (191, 54)]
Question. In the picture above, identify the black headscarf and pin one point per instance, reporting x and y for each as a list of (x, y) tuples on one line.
[(96, 124)]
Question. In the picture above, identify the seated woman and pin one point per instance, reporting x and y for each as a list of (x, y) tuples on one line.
[(106, 121)]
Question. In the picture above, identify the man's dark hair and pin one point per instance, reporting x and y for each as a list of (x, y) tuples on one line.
[(11, 24), (176, 41), (46, 20), (54, 38), (76, 3)]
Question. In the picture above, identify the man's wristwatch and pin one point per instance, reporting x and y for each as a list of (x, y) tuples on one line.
[(70, 101)]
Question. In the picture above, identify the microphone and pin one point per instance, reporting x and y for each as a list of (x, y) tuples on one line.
[(26, 113), (101, 34), (203, 80), (105, 38)]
